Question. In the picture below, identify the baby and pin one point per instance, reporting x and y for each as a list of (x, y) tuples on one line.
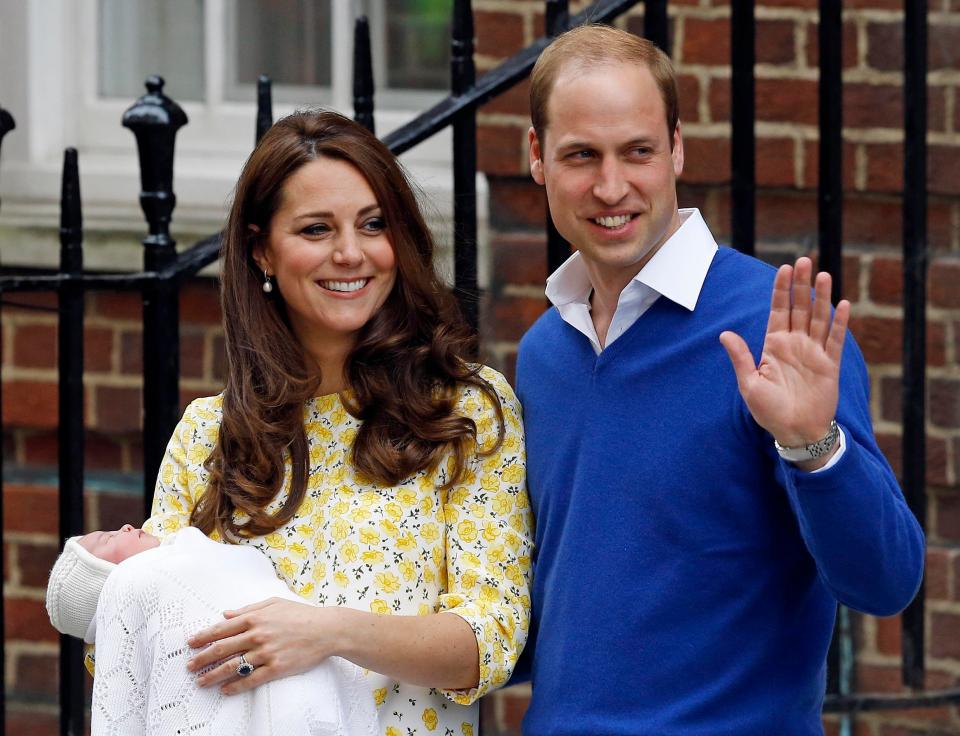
[(141, 600)]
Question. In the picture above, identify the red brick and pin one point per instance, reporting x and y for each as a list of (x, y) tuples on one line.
[(885, 45), (37, 676), (706, 41), (891, 393), (878, 678), (874, 4), (131, 352), (944, 402), (35, 561), (776, 42), (515, 101), (886, 281), (706, 160), (718, 94), (688, 96), (775, 162), (30, 509), (938, 574), (881, 340), (38, 300), (635, 26), (116, 509), (519, 259), (850, 43), (872, 105), (30, 404), (200, 302), (786, 217), (948, 518), (811, 165), (787, 100), (943, 163), (102, 452), (944, 284), (119, 409), (507, 318), (118, 305), (944, 635), (884, 167), (944, 46), (502, 149), (498, 34), (27, 619), (35, 345), (98, 349), (30, 722), (191, 354), (874, 222), (850, 288), (790, 3), (892, 448), (888, 635), (517, 203), (956, 578)]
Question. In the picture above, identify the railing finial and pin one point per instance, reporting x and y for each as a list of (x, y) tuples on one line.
[(155, 120), (362, 74)]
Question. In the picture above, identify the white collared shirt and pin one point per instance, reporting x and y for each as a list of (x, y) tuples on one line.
[(676, 271)]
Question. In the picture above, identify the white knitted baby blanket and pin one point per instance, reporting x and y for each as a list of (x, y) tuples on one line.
[(154, 601)]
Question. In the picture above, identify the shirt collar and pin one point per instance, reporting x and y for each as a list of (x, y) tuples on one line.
[(677, 270)]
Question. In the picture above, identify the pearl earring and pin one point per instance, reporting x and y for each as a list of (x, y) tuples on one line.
[(267, 283)]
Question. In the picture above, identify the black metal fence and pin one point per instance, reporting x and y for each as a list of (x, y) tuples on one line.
[(155, 119)]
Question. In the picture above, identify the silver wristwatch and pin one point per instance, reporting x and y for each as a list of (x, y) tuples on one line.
[(812, 451)]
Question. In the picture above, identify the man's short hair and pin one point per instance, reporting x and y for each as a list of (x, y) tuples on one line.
[(596, 45)]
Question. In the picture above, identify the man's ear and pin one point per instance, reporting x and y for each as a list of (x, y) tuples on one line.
[(259, 251), (677, 153), (536, 157)]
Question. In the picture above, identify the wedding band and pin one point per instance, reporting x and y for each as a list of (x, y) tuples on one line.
[(244, 669)]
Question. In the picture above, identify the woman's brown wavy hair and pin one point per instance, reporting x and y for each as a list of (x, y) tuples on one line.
[(402, 373)]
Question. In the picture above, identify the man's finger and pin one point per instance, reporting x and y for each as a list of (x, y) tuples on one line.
[(820, 318), (780, 301), (800, 312), (740, 356), (838, 331)]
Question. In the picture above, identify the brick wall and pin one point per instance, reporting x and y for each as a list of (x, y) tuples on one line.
[(787, 160), (786, 102)]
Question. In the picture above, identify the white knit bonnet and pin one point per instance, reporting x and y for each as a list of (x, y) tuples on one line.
[(74, 589)]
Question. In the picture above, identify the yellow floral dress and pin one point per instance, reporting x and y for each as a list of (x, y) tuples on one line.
[(409, 549)]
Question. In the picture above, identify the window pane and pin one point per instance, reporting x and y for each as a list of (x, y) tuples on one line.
[(143, 37), (418, 44), (289, 40)]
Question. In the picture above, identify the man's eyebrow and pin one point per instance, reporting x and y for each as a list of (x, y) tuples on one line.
[(326, 213)]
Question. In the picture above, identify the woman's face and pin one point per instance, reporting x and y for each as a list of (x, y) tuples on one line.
[(118, 545), (328, 252)]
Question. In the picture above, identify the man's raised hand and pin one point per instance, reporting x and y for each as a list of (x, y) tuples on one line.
[(793, 392)]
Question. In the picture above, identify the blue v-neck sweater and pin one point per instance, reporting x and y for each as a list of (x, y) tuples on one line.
[(686, 578)]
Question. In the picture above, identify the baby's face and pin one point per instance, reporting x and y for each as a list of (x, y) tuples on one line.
[(119, 545)]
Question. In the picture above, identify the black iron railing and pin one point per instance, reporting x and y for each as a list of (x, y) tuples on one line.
[(155, 118)]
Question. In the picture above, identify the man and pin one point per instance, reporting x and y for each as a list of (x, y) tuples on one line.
[(696, 522)]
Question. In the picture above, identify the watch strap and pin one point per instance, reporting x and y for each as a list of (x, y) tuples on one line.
[(812, 451)]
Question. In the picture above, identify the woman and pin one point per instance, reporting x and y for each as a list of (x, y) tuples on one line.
[(381, 473)]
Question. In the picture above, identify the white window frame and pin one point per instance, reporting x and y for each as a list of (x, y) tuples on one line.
[(49, 82)]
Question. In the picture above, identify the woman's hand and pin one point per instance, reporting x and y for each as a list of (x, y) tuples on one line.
[(278, 637)]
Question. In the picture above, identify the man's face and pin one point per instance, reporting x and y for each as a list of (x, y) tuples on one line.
[(608, 167), (118, 545)]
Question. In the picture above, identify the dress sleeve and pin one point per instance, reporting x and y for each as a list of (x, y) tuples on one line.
[(182, 477), (489, 532)]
